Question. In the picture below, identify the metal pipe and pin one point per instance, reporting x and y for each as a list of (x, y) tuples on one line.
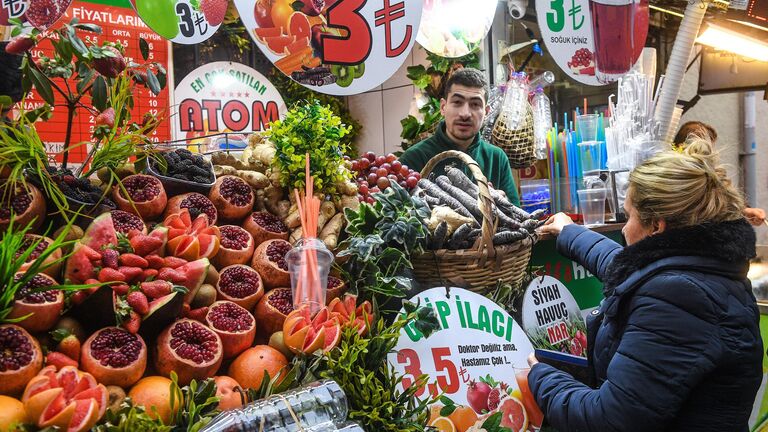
[(749, 148)]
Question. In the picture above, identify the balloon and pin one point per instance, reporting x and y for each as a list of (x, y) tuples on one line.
[(160, 16)]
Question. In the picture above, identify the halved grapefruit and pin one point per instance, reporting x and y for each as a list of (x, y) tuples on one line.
[(190, 239), (443, 424), (513, 414)]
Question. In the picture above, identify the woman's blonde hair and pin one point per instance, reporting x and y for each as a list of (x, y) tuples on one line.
[(685, 189)]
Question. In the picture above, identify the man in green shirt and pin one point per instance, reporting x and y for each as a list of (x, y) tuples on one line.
[(464, 107)]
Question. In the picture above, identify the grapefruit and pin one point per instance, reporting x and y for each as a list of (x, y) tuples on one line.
[(249, 367), (12, 412), (443, 424), (513, 414), (227, 390), (154, 394)]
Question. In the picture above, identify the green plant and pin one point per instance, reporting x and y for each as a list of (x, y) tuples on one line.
[(382, 238), (130, 418), (310, 128), (294, 93), (371, 384), (431, 80), (194, 405)]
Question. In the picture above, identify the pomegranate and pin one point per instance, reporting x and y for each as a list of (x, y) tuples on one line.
[(313, 7), (269, 261), (114, 357), (43, 307), (497, 395), (234, 325), (42, 14), (477, 396), (264, 226), (261, 12), (53, 267), (335, 289), (146, 196), (25, 204), (190, 349), (233, 197), (272, 310), (240, 284), (235, 246), (195, 202), (20, 359)]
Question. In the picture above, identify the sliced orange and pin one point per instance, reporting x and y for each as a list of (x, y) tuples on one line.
[(443, 424)]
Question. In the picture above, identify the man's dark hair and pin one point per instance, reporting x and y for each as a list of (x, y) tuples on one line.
[(468, 77), (695, 128)]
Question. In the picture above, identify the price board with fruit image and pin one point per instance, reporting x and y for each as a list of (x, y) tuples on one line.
[(339, 47), (477, 360), (182, 21)]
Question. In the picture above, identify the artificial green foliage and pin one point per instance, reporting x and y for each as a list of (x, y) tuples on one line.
[(315, 129), (382, 237), (293, 92), (130, 418), (194, 405)]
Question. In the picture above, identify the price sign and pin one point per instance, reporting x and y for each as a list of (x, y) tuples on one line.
[(224, 97), (453, 28), (118, 24), (40, 14), (339, 47), (182, 21), (552, 318), (478, 339)]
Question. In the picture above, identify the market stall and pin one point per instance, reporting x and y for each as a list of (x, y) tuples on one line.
[(212, 252)]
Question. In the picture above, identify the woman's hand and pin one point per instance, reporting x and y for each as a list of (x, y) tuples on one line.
[(532, 360), (555, 224), (755, 216)]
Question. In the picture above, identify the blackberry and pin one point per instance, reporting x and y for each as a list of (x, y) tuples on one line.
[(184, 153), (199, 179)]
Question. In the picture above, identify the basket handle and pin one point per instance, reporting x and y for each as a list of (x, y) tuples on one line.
[(485, 202)]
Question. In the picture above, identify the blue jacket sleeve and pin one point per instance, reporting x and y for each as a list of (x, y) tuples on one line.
[(664, 353), (592, 250)]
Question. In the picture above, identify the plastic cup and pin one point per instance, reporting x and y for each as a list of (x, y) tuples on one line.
[(590, 153), (308, 287), (587, 124), (535, 416), (592, 205)]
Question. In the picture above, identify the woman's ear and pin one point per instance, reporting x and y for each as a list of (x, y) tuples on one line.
[(658, 226)]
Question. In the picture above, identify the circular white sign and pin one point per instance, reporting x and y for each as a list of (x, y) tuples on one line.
[(339, 47), (455, 28), (224, 97), (552, 318), (185, 22)]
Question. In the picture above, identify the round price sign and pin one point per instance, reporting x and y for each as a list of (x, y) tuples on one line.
[(478, 341), (552, 318), (39, 14), (182, 21), (339, 47)]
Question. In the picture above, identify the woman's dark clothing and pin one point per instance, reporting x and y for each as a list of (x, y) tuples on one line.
[(675, 345)]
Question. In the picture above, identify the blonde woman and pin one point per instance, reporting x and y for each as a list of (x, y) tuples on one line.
[(675, 345)]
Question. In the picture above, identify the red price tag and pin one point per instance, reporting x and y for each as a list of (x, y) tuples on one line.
[(446, 374)]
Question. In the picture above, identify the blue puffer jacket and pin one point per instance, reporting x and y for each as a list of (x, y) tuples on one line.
[(675, 345)]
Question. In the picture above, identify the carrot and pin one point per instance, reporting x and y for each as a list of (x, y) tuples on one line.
[(292, 62), (312, 62), (296, 46)]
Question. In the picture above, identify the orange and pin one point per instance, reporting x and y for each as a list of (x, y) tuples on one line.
[(434, 412), (154, 393), (443, 424), (463, 417), (229, 397), (249, 367), (281, 14), (11, 412)]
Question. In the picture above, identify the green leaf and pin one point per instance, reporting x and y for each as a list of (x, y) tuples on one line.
[(93, 28), (144, 48), (447, 409), (153, 83), (81, 51), (99, 93), (84, 80), (6, 101), (16, 32), (42, 85)]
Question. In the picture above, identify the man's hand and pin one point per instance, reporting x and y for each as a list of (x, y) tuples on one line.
[(755, 216), (555, 224)]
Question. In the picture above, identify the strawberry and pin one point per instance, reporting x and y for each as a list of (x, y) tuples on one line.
[(106, 118), (138, 301), (19, 45), (109, 258), (214, 11), (156, 288), (149, 273), (144, 244), (155, 262), (131, 273), (198, 314), (90, 253), (92, 282), (133, 260), (133, 322), (59, 360), (173, 262), (109, 275), (110, 65), (121, 289), (69, 344), (78, 297)]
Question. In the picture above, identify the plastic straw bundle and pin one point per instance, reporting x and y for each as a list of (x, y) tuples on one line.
[(309, 284)]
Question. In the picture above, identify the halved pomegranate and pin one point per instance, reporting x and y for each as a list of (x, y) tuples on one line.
[(24, 204), (335, 289), (265, 226), (269, 261), (196, 203), (240, 284), (272, 310), (189, 348), (233, 198), (20, 359), (146, 196), (44, 242), (235, 246), (234, 325), (114, 357), (304, 334), (190, 239), (44, 306)]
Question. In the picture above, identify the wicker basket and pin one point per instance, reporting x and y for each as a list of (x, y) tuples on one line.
[(517, 143), (483, 266)]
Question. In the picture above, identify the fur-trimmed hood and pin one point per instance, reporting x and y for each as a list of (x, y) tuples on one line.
[(731, 242)]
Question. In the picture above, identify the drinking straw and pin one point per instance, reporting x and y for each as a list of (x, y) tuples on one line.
[(585, 106), (308, 284)]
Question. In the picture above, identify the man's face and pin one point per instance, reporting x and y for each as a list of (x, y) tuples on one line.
[(464, 111)]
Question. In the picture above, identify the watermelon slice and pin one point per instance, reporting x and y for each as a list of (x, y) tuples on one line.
[(79, 266)]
